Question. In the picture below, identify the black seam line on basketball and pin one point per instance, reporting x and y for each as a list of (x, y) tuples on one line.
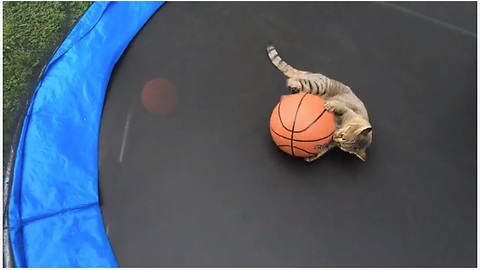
[(298, 148), (295, 121), (280, 116), (297, 140), (290, 130), (316, 119)]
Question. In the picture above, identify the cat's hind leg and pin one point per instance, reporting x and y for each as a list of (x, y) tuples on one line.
[(311, 85), (294, 85)]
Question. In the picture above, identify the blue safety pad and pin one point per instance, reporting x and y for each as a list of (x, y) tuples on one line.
[(54, 213)]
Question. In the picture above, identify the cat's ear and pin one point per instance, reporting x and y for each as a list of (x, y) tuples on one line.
[(361, 154), (365, 131)]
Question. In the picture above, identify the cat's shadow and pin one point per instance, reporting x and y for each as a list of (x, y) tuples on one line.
[(334, 157), (336, 164)]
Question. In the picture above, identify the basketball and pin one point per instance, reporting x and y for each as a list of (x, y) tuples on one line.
[(300, 125)]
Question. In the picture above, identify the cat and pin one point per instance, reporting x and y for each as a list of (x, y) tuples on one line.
[(353, 132)]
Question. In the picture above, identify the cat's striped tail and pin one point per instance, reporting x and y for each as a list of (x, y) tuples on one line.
[(281, 65)]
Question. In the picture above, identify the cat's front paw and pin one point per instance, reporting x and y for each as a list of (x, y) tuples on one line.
[(337, 137), (329, 106), (335, 106)]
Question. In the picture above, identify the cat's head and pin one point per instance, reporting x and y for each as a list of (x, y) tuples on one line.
[(355, 138)]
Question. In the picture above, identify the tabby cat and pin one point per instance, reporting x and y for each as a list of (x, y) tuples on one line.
[(353, 132)]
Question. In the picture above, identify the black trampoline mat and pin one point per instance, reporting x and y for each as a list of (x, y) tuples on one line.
[(206, 186)]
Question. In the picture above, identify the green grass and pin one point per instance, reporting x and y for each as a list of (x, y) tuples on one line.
[(31, 33)]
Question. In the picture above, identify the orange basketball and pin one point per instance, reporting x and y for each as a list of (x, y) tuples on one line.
[(300, 125)]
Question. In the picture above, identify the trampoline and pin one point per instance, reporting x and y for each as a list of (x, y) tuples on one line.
[(99, 181)]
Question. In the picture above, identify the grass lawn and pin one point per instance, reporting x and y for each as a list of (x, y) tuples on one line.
[(31, 32)]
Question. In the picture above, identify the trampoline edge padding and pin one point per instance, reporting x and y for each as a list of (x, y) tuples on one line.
[(54, 212)]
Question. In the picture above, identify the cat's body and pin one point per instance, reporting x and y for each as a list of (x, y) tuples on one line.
[(353, 132)]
